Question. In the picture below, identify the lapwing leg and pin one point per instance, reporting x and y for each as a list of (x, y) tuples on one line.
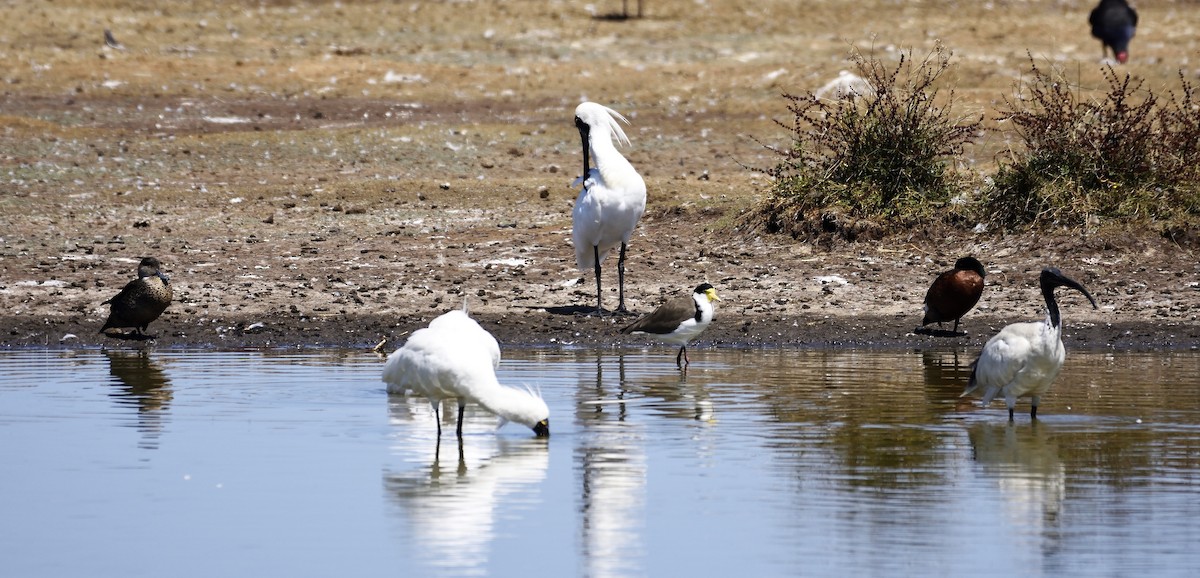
[(621, 281), (596, 268), (682, 355), (462, 405)]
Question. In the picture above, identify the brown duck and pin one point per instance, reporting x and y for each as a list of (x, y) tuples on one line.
[(142, 300), (954, 293)]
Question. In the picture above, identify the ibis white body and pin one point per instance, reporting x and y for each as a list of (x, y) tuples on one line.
[(1020, 361)]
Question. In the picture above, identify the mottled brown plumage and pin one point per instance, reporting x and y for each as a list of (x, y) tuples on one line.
[(954, 292), (142, 300)]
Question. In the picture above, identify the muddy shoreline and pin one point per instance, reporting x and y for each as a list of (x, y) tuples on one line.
[(539, 329), (323, 186)]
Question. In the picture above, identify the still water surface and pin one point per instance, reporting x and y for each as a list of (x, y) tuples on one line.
[(756, 463)]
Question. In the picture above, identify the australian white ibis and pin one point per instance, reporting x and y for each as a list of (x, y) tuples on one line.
[(1024, 358)]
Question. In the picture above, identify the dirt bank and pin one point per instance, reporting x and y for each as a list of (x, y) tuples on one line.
[(336, 174)]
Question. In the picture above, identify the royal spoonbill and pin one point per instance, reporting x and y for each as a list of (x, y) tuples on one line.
[(613, 197), (1024, 358), (1114, 22), (679, 320), (954, 292), (456, 358), (142, 300)]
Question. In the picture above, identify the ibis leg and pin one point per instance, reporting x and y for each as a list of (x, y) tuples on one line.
[(461, 406)]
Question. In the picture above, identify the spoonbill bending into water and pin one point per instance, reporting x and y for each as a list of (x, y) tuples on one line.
[(679, 320), (954, 292), (613, 197), (1024, 358), (141, 300), (456, 358)]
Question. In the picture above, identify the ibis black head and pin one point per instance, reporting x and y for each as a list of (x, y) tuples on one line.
[(970, 264), (1052, 278)]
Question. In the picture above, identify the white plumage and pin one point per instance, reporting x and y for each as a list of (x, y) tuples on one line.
[(613, 197), (1024, 358), (456, 358)]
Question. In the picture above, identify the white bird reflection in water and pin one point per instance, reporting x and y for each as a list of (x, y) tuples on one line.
[(612, 460), (1024, 460), (451, 506), (141, 383)]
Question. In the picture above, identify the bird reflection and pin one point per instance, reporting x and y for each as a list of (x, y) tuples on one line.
[(946, 373), (684, 400), (452, 507), (612, 461), (1032, 479), (141, 383)]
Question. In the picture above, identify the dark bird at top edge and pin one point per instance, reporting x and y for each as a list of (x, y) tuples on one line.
[(1114, 22)]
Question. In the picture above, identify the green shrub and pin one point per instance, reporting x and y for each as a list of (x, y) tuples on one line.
[(1131, 155), (860, 164)]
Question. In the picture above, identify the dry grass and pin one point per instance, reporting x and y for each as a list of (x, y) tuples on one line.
[(879, 152), (1130, 154), (473, 81)]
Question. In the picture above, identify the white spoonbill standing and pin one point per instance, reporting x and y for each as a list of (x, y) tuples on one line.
[(456, 358), (1024, 358), (613, 197)]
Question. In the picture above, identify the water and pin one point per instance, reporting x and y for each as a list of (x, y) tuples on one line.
[(756, 463)]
